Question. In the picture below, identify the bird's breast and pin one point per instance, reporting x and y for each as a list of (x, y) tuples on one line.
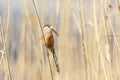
[(49, 41)]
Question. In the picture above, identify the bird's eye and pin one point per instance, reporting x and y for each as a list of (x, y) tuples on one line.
[(51, 27)]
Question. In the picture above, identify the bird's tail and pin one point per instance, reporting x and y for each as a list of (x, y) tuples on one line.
[(55, 60)]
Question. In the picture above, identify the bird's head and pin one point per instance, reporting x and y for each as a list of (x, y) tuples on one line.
[(51, 28)]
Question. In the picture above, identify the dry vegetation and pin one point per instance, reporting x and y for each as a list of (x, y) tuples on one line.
[(88, 47)]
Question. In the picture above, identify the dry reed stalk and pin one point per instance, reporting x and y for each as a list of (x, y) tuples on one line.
[(1, 51), (5, 48), (106, 31), (111, 27), (27, 16), (99, 51), (40, 24), (109, 14), (22, 49), (118, 5), (104, 57), (83, 37), (116, 50), (5, 38), (2, 56), (118, 32)]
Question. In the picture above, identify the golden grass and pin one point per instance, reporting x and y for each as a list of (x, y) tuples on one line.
[(88, 46)]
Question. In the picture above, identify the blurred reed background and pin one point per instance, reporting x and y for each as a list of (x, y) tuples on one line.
[(88, 47)]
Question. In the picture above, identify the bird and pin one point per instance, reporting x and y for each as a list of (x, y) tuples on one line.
[(49, 42)]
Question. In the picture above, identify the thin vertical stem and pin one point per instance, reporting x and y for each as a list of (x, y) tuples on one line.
[(83, 37), (37, 13), (5, 48)]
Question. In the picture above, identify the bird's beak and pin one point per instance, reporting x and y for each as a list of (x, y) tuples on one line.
[(54, 30)]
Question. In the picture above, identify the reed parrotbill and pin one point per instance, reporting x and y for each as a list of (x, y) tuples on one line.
[(49, 39)]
